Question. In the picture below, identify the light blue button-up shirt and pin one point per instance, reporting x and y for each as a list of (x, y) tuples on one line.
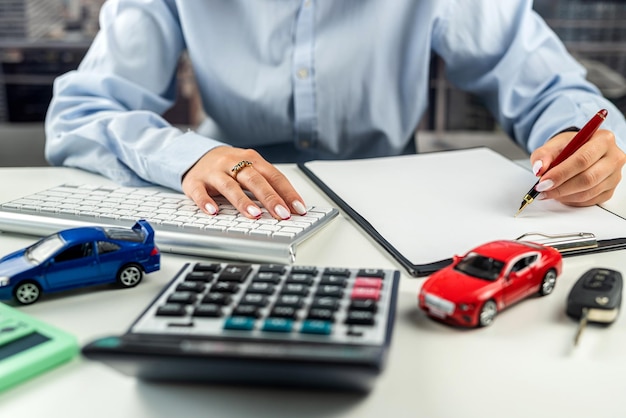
[(305, 79)]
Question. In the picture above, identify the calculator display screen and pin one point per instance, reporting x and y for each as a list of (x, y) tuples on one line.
[(22, 344)]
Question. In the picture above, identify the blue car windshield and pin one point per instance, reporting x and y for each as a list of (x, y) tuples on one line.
[(477, 265), (44, 249)]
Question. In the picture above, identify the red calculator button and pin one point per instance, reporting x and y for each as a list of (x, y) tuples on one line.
[(368, 282), (365, 293)]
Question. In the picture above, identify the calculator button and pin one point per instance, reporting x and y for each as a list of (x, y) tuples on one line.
[(336, 272), (266, 277), (182, 297), (171, 309), (295, 289), (304, 279), (242, 323), (254, 299), (213, 267), (365, 293), (370, 273), (197, 287), (199, 276), (284, 312), (272, 268), (277, 325), (324, 314), (293, 301), (225, 287), (304, 269), (246, 310), (235, 272), (333, 291), (325, 302), (372, 282), (364, 305), (264, 288), (316, 327), (334, 280), (360, 318), (208, 310), (217, 298)]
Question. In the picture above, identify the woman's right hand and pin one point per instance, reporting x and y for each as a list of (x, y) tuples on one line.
[(215, 174)]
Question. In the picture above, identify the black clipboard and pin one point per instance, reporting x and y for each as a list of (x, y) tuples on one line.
[(569, 244)]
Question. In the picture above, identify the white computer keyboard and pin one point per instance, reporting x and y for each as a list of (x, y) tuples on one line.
[(181, 227)]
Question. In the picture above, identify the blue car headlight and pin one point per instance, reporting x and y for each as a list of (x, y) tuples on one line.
[(4, 281)]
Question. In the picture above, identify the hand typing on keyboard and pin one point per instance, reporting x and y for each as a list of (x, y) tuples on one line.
[(228, 171)]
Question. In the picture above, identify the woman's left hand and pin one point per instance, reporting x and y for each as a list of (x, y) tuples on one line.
[(588, 177)]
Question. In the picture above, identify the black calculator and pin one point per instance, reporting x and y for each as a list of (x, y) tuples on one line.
[(267, 324)]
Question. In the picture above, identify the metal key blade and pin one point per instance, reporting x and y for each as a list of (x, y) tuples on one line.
[(581, 325)]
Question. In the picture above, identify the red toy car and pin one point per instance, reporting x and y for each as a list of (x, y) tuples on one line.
[(474, 288)]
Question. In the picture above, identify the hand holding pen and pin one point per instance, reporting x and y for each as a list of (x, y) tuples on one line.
[(576, 170)]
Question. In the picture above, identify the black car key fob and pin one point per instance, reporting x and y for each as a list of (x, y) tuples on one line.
[(596, 296)]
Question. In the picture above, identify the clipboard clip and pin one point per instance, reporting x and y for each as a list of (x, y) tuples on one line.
[(563, 242)]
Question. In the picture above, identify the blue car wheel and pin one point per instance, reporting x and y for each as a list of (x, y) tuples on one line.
[(27, 292), (130, 275)]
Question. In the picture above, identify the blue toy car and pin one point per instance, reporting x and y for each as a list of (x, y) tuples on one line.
[(79, 257)]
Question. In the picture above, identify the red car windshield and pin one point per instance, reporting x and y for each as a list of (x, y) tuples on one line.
[(479, 266)]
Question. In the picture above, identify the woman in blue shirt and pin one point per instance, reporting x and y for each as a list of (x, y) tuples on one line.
[(312, 79)]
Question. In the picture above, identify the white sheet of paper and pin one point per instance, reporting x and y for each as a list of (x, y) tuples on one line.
[(433, 206)]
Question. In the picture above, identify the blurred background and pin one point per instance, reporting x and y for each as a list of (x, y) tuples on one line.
[(41, 39)]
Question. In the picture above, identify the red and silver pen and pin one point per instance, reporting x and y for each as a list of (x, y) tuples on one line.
[(581, 138)]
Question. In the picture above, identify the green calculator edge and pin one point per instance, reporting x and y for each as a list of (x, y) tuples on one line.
[(51, 348)]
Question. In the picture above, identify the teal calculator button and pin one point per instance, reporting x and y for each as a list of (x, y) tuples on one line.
[(278, 325), (316, 327), (241, 323)]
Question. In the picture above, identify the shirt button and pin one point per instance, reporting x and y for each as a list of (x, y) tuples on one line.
[(302, 73), (307, 3), (305, 143)]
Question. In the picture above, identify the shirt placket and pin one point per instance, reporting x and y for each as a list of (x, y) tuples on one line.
[(303, 76)]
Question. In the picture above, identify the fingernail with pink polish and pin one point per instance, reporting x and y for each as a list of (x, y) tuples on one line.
[(544, 185), (537, 166), (541, 196), (210, 209), (254, 211), (299, 207), (282, 212)]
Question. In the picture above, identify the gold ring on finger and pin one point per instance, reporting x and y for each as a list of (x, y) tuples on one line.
[(239, 166)]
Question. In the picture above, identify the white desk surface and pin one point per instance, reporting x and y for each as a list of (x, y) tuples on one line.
[(524, 365)]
